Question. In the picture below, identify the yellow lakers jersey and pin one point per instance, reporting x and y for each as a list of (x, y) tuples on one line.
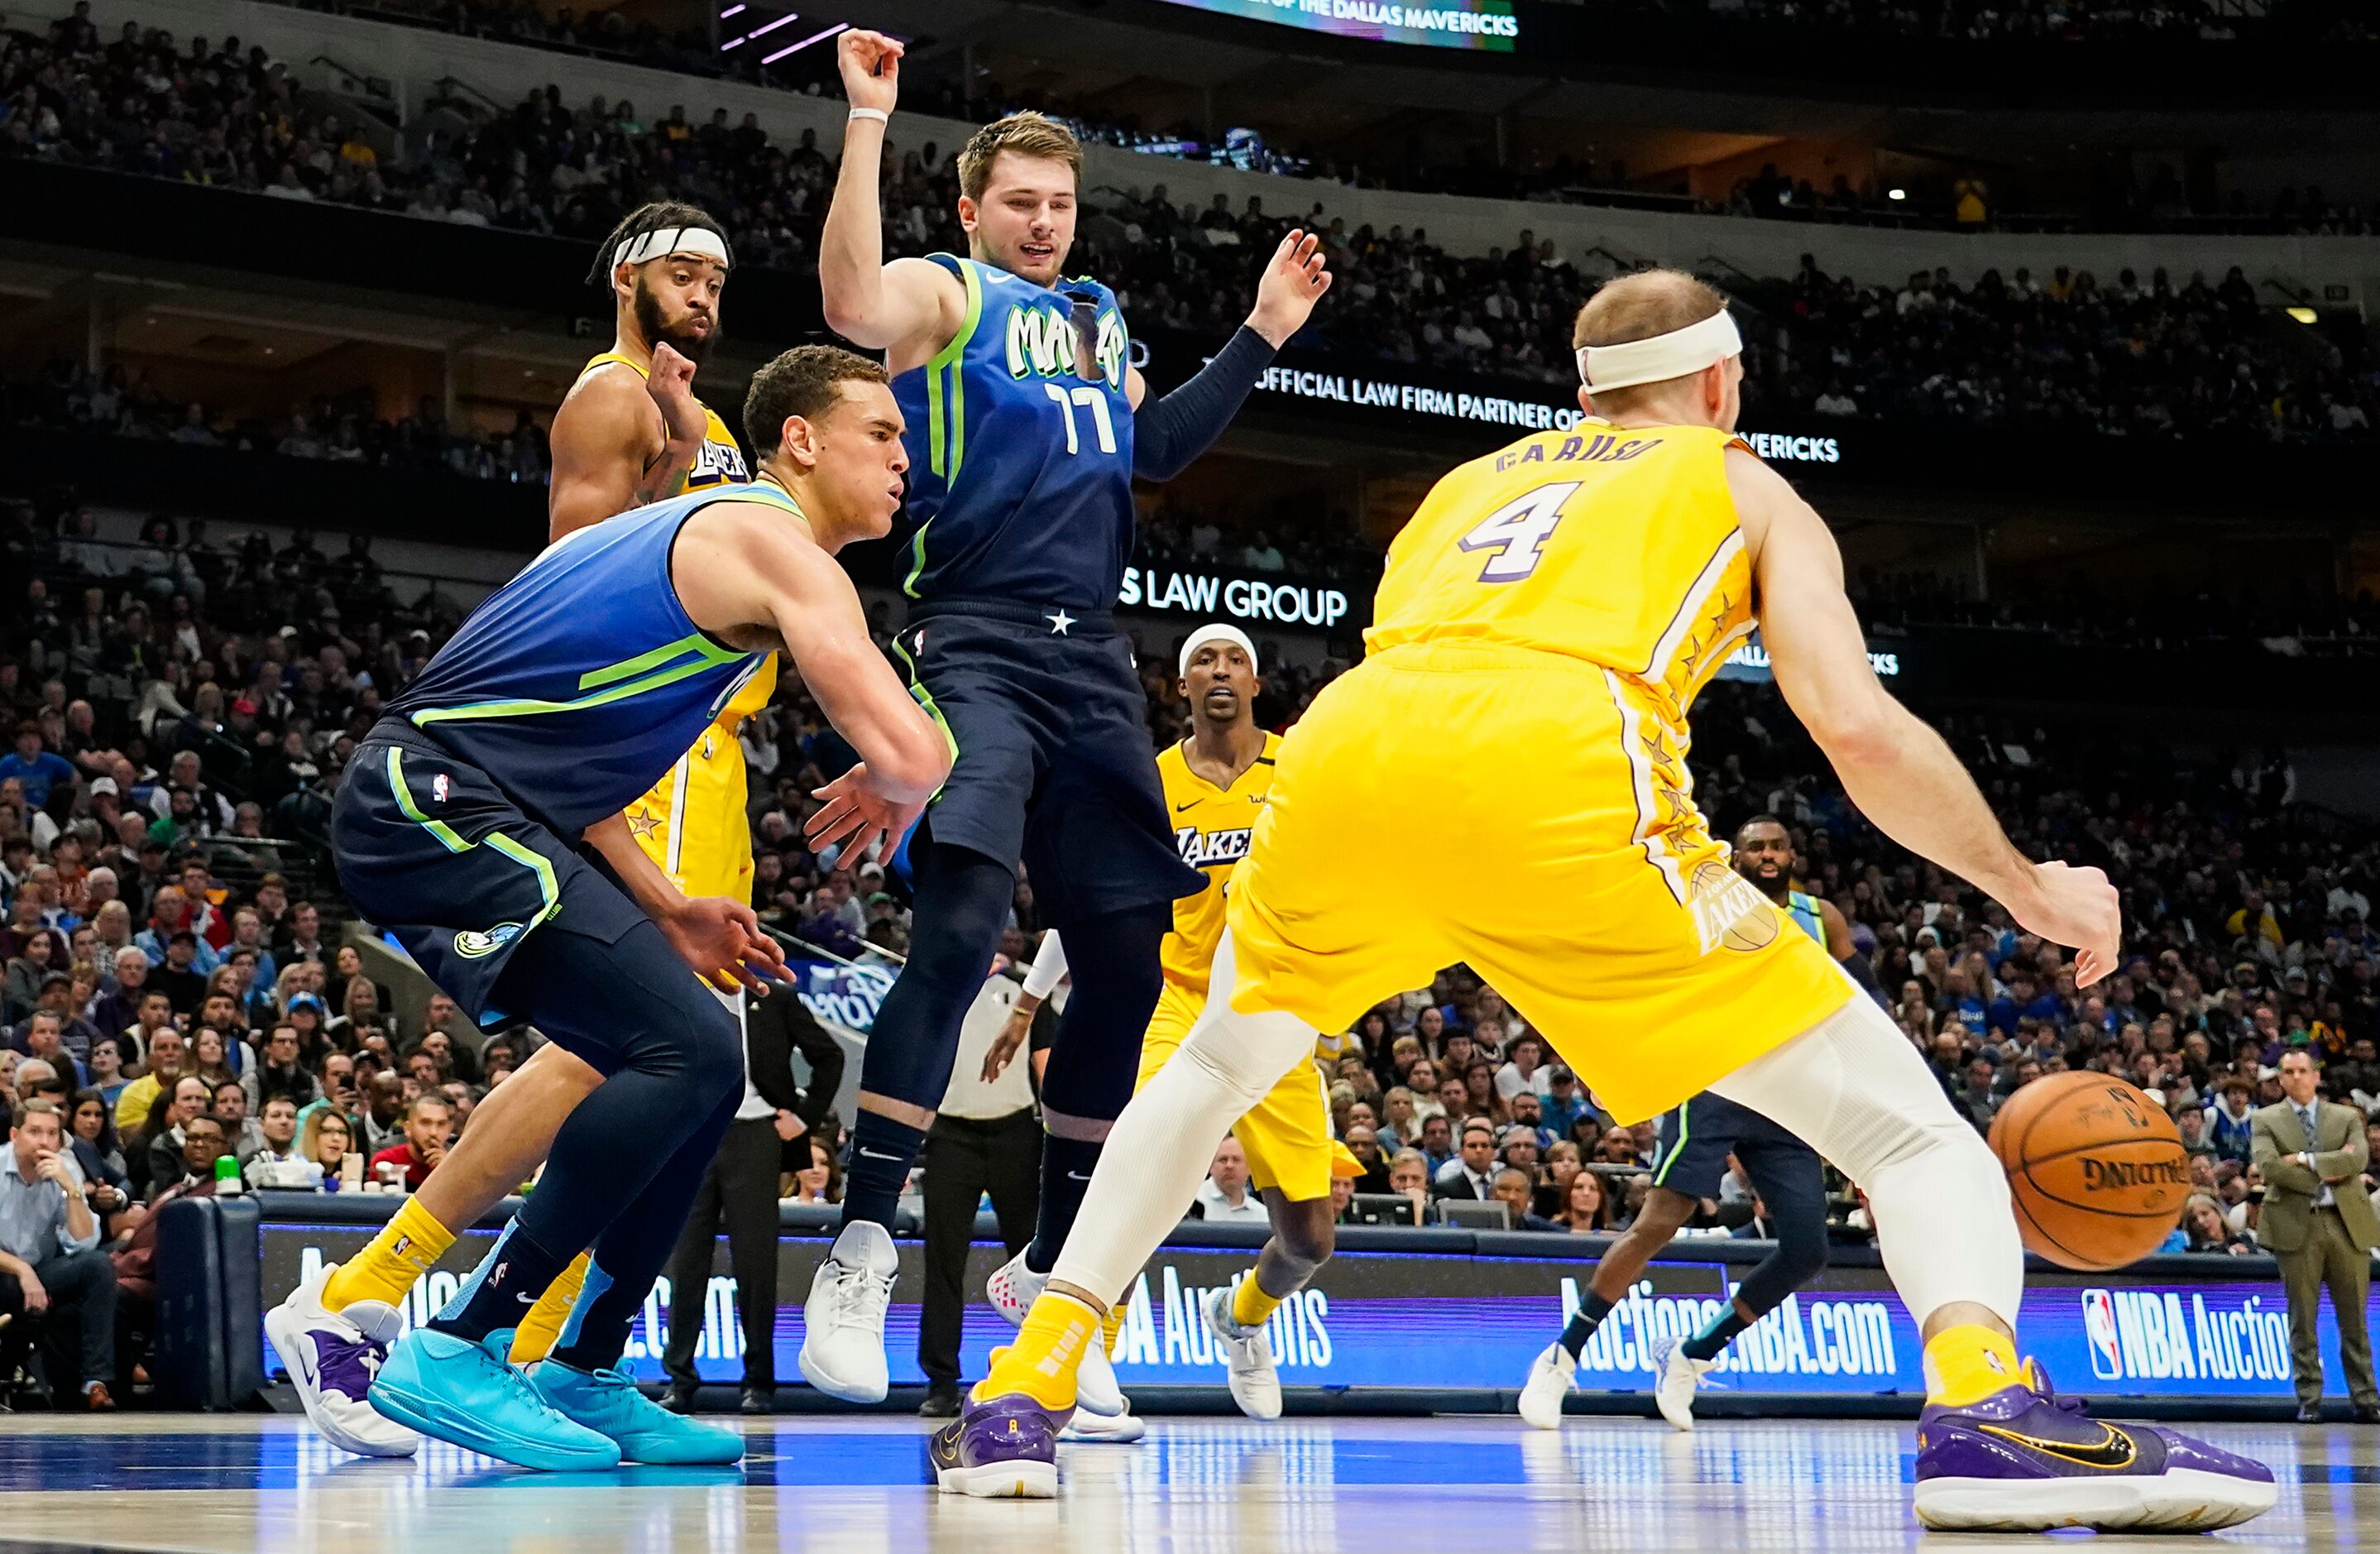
[(692, 822), (1211, 828), (1617, 547), (718, 462)]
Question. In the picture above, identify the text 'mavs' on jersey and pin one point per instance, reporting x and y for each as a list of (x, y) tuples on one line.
[(1020, 447), (581, 681)]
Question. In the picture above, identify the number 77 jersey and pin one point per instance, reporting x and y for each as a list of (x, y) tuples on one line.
[(1020, 447), (1619, 548)]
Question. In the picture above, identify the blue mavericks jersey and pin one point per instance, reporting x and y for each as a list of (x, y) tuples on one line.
[(577, 685), (1803, 908), (1020, 466)]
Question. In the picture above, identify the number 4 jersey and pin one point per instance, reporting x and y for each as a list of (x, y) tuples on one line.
[(1020, 447), (1617, 547)]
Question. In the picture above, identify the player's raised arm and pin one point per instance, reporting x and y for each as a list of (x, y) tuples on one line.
[(868, 302), (1899, 771), (1169, 433)]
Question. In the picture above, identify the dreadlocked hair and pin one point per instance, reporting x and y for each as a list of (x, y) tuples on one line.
[(657, 216)]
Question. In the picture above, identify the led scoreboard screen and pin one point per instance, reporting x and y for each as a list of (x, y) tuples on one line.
[(1446, 24)]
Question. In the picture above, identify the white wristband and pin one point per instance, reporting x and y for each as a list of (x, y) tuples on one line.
[(1048, 967), (879, 115)]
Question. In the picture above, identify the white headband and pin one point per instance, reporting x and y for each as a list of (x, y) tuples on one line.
[(1216, 631), (661, 242), (1661, 357)]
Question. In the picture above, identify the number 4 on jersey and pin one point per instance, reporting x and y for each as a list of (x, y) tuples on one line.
[(1517, 531)]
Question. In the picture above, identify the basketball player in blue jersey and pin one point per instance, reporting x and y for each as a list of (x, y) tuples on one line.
[(629, 433), (1027, 425), (480, 823), (1695, 1141)]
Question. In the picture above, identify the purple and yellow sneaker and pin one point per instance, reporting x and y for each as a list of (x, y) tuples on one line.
[(1002, 1448), (2024, 1460)]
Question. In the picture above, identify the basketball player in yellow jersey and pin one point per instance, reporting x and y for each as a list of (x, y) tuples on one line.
[(1216, 783), (630, 432), (1543, 624)]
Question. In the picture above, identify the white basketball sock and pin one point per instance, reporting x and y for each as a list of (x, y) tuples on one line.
[(1159, 1149)]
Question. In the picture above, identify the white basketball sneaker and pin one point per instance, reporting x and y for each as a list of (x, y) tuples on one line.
[(1012, 1289), (843, 1322), (331, 1357), (1102, 1429), (1247, 1357), (1551, 1376), (1679, 1375)]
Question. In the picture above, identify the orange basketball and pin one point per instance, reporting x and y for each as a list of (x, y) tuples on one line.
[(2097, 1169)]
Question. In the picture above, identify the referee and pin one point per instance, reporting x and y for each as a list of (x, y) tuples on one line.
[(985, 1139)]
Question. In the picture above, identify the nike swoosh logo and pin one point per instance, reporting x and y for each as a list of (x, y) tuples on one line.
[(1191, 805), (526, 1299), (875, 1155), (2114, 1450), (1077, 1176)]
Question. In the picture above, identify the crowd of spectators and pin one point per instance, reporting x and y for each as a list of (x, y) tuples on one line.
[(127, 402), (2139, 356), (2129, 355)]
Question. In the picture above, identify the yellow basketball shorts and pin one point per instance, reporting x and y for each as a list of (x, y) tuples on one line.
[(1286, 1135), (1530, 815)]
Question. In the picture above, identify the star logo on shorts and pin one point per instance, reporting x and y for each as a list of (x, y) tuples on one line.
[(641, 822), (1059, 622)]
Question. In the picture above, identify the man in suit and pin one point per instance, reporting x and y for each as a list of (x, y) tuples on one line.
[(1470, 1176), (2320, 1225)]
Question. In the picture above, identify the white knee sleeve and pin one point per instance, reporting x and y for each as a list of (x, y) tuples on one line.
[(1857, 1092), (1159, 1149)]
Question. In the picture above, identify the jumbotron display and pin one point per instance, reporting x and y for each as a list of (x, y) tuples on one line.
[(1454, 24)]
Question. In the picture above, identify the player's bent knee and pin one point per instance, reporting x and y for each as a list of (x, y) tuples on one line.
[(1307, 1234), (1248, 1053), (1665, 1211)]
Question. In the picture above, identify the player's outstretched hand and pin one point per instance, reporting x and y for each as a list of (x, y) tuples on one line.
[(1291, 283), (871, 68), (720, 938), (2076, 906), (854, 809)]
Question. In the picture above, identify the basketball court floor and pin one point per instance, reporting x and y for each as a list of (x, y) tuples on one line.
[(1380, 1486)]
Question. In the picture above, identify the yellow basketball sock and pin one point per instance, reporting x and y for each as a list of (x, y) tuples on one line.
[(1110, 1326), (534, 1339), (1966, 1365), (1250, 1305), (384, 1270), (1041, 1363)]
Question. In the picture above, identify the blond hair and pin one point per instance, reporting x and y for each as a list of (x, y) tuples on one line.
[(1025, 134), (1638, 306)]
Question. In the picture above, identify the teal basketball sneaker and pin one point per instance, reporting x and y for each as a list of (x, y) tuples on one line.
[(607, 1402), (469, 1395)]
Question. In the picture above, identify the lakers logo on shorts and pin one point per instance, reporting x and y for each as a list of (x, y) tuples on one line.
[(472, 944), (1729, 912)]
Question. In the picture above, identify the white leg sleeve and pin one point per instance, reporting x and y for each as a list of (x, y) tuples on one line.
[(1856, 1091), (1159, 1149)]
